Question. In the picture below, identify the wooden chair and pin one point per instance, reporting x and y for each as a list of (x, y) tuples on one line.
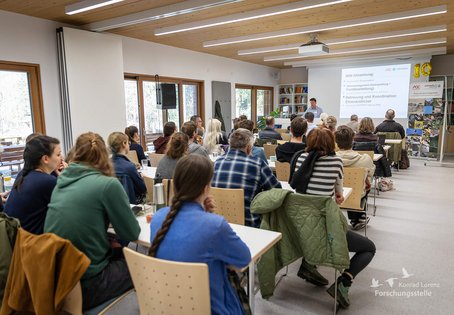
[(281, 130), (169, 287), (229, 204), (168, 190), (282, 171), (155, 158), (149, 184), (354, 177), (286, 136), (270, 149), (132, 156), (369, 153)]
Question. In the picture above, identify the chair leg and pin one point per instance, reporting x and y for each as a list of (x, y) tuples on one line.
[(365, 227), (335, 291), (375, 194)]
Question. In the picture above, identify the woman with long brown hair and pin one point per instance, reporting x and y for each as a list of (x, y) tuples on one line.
[(319, 171), (188, 231), (176, 149), (85, 201)]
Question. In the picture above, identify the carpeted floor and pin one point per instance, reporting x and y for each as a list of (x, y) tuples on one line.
[(413, 229)]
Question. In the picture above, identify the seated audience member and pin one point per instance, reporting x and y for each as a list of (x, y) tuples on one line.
[(238, 169), (353, 123), (205, 237), (344, 139), (256, 151), (3, 198), (389, 125), (330, 123), (85, 201), (309, 116), (214, 137), (160, 144), (319, 162), (269, 132), (292, 116), (190, 129), (119, 146), (197, 120), (134, 139), (29, 199), (285, 152), (176, 149), (365, 131)]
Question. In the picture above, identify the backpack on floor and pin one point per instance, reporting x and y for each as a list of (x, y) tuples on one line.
[(404, 162), (385, 184)]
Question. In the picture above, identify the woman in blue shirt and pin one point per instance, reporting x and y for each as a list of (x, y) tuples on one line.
[(125, 170), (133, 134), (189, 232), (30, 196)]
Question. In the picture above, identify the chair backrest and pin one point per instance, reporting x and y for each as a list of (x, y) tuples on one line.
[(168, 190), (132, 156), (280, 130), (369, 153), (73, 301), (229, 204), (155, 158), (282, 171), (354, 178), (260, 142), (286, 136), (394, 153), (149, 184), (270, 149), (169, 287)]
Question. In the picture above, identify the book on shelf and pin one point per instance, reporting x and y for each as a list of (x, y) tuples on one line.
[(286, 90), (300, 99), (284, 100)]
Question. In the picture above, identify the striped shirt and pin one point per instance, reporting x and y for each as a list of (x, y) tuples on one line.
[(327, 176), (238, 170)]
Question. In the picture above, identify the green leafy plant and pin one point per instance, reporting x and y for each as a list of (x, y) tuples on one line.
[(261, 121)]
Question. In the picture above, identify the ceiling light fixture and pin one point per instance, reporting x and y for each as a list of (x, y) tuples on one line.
[(245, 16), (87, 5), (427, 42), (352, 39), (167, 11), (332, 26), (423, 52)]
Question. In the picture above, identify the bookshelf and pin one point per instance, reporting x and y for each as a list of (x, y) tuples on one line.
[(292, 98)]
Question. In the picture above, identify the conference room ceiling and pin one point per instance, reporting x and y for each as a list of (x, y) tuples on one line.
[(389, 34)]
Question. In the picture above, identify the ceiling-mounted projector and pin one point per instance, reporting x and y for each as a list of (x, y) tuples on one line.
[(313, 47)]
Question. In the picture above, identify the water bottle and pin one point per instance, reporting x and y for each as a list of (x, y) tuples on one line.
[(158, 192), (2, 185), (7, 181)]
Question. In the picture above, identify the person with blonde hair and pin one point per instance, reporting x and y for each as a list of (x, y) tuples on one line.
[(125, 170), (330, 123), (86, 199), (214, 137), (176, 149)]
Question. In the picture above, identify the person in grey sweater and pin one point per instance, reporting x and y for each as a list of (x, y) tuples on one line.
[(190, 129), (177, 148)]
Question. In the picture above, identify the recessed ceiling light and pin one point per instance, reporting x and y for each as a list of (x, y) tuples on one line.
[(245, 16), (332, 26), (352, 39), (87, 5)]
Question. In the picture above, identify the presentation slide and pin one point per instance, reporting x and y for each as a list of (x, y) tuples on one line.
[(371, 91)]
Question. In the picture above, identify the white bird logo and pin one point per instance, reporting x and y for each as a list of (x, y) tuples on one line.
[(406, 274), (375, 283), (391, 281)]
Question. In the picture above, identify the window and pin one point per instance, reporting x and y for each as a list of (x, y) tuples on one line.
[(142, 90), (20, 102), (253, 101)]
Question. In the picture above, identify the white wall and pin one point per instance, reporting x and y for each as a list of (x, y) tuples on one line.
[(325, 86), (144, 57), (95, 82), (293, 75), (32, 40)]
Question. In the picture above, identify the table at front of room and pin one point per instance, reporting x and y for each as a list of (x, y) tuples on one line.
[(258, 241)]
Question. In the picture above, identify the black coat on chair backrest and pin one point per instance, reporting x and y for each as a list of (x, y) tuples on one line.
[(382, 166)]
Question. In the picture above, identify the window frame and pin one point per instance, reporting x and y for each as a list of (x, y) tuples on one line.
[(140, 78), (35, 89), (254, 89)]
